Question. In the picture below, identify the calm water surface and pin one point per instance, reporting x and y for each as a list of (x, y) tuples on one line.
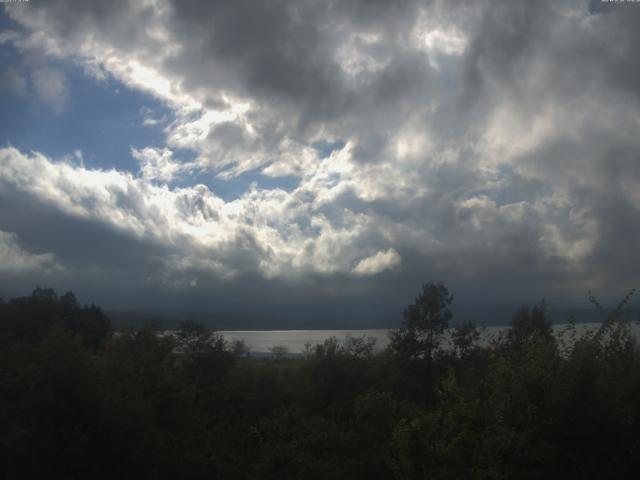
[(295, 340)]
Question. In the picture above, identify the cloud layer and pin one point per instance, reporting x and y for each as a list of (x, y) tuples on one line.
[(480, 141), (14, 259)]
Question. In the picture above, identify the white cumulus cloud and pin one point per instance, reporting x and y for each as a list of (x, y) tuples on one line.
[(377, 263), (14, 259)]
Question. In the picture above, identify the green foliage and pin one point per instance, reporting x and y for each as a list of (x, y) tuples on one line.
[(279, 351), (30, 318), (188, 405), (359, 346), (465, 337), (616, 313), (530, 324), (425, 322)]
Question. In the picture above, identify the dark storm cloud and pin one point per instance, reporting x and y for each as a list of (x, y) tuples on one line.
[(75, 241), (272, 49), (284, 54)]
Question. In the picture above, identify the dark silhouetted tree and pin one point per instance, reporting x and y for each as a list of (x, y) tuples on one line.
[(531, 323), (30, 318), (464, 337), (425, 322)]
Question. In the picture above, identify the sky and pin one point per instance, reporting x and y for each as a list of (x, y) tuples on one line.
[(319, 158)]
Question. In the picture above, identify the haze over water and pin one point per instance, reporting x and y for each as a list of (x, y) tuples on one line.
[(295, 340)]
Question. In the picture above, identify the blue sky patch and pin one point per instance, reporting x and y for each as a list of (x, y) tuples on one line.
[(101, 118)]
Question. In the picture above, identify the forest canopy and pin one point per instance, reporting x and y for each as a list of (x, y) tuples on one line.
[(78, 400)]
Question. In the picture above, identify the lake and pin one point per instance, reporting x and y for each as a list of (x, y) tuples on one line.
[(259, 341)]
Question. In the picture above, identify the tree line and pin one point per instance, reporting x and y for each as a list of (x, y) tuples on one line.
[(78, 400)]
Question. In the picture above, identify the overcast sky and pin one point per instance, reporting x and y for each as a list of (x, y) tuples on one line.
[(319, 158)]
